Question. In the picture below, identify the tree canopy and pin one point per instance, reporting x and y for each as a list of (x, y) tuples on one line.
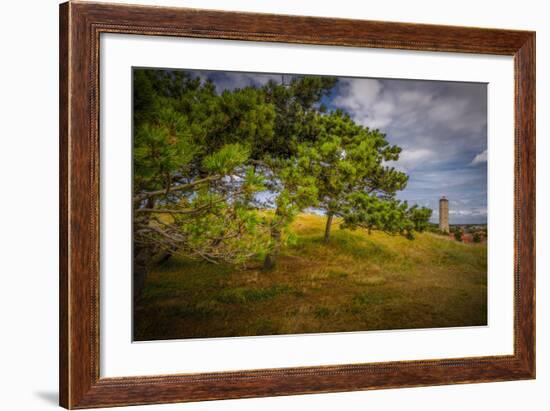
[(220, 175), (353, 180)]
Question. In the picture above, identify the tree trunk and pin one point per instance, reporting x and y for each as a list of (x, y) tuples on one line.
[(142, 265), (163, 258), (330, 217), (143, 256), (270, 260)]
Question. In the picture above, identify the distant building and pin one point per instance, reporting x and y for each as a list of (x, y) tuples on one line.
[(444, 214)]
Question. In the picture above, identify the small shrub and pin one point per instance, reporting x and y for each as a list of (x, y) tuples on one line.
[(476, 238), (433, 228), (458, 234)]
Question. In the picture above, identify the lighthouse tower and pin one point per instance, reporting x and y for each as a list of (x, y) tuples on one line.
[(444, 214)]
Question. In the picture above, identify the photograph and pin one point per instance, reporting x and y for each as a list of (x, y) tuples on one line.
[(273, 204)]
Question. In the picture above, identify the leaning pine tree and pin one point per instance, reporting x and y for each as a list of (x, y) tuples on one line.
[(194, 183), (283, 159)]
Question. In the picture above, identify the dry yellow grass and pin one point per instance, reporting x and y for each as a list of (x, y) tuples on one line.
[(358, 282)]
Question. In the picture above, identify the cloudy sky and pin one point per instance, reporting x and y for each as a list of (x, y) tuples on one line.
[(441, 127)]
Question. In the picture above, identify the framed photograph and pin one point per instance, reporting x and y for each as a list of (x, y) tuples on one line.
[(258, 205)]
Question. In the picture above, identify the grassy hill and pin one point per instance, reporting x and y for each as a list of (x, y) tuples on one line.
[(358, 282)]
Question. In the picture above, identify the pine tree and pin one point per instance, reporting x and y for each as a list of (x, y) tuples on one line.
[(457, 234), (297, 105), (353, 180), (194, 185)]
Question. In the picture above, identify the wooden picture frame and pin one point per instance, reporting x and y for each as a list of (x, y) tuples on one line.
[(80, 27)]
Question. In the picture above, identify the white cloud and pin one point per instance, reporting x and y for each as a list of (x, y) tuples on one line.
[(449, 110), (415, 97), (363, 99), (469, 212), (480, 158), (410, 158), (358, 93), (407, 108), (456, 114)]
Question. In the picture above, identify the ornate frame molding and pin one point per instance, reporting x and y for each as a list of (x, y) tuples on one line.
[(81, 24)]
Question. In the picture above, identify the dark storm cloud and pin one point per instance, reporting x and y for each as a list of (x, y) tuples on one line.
[(441, 127)]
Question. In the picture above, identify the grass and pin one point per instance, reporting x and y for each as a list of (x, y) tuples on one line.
[(358, 282), (243, 295)]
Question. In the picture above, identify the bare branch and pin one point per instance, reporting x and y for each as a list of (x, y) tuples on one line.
[(179, 187)]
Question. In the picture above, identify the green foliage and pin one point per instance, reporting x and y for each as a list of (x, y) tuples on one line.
[(419, 217), (285, 158), (432, 228), (226, 159), (201, 157), (476, 237), (296, 105), (353, 181), (389, 215), (193, 185), (159, 152), (457, 234)]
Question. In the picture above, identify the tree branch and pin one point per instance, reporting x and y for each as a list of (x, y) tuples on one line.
[(179, 187), (180, 211)]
